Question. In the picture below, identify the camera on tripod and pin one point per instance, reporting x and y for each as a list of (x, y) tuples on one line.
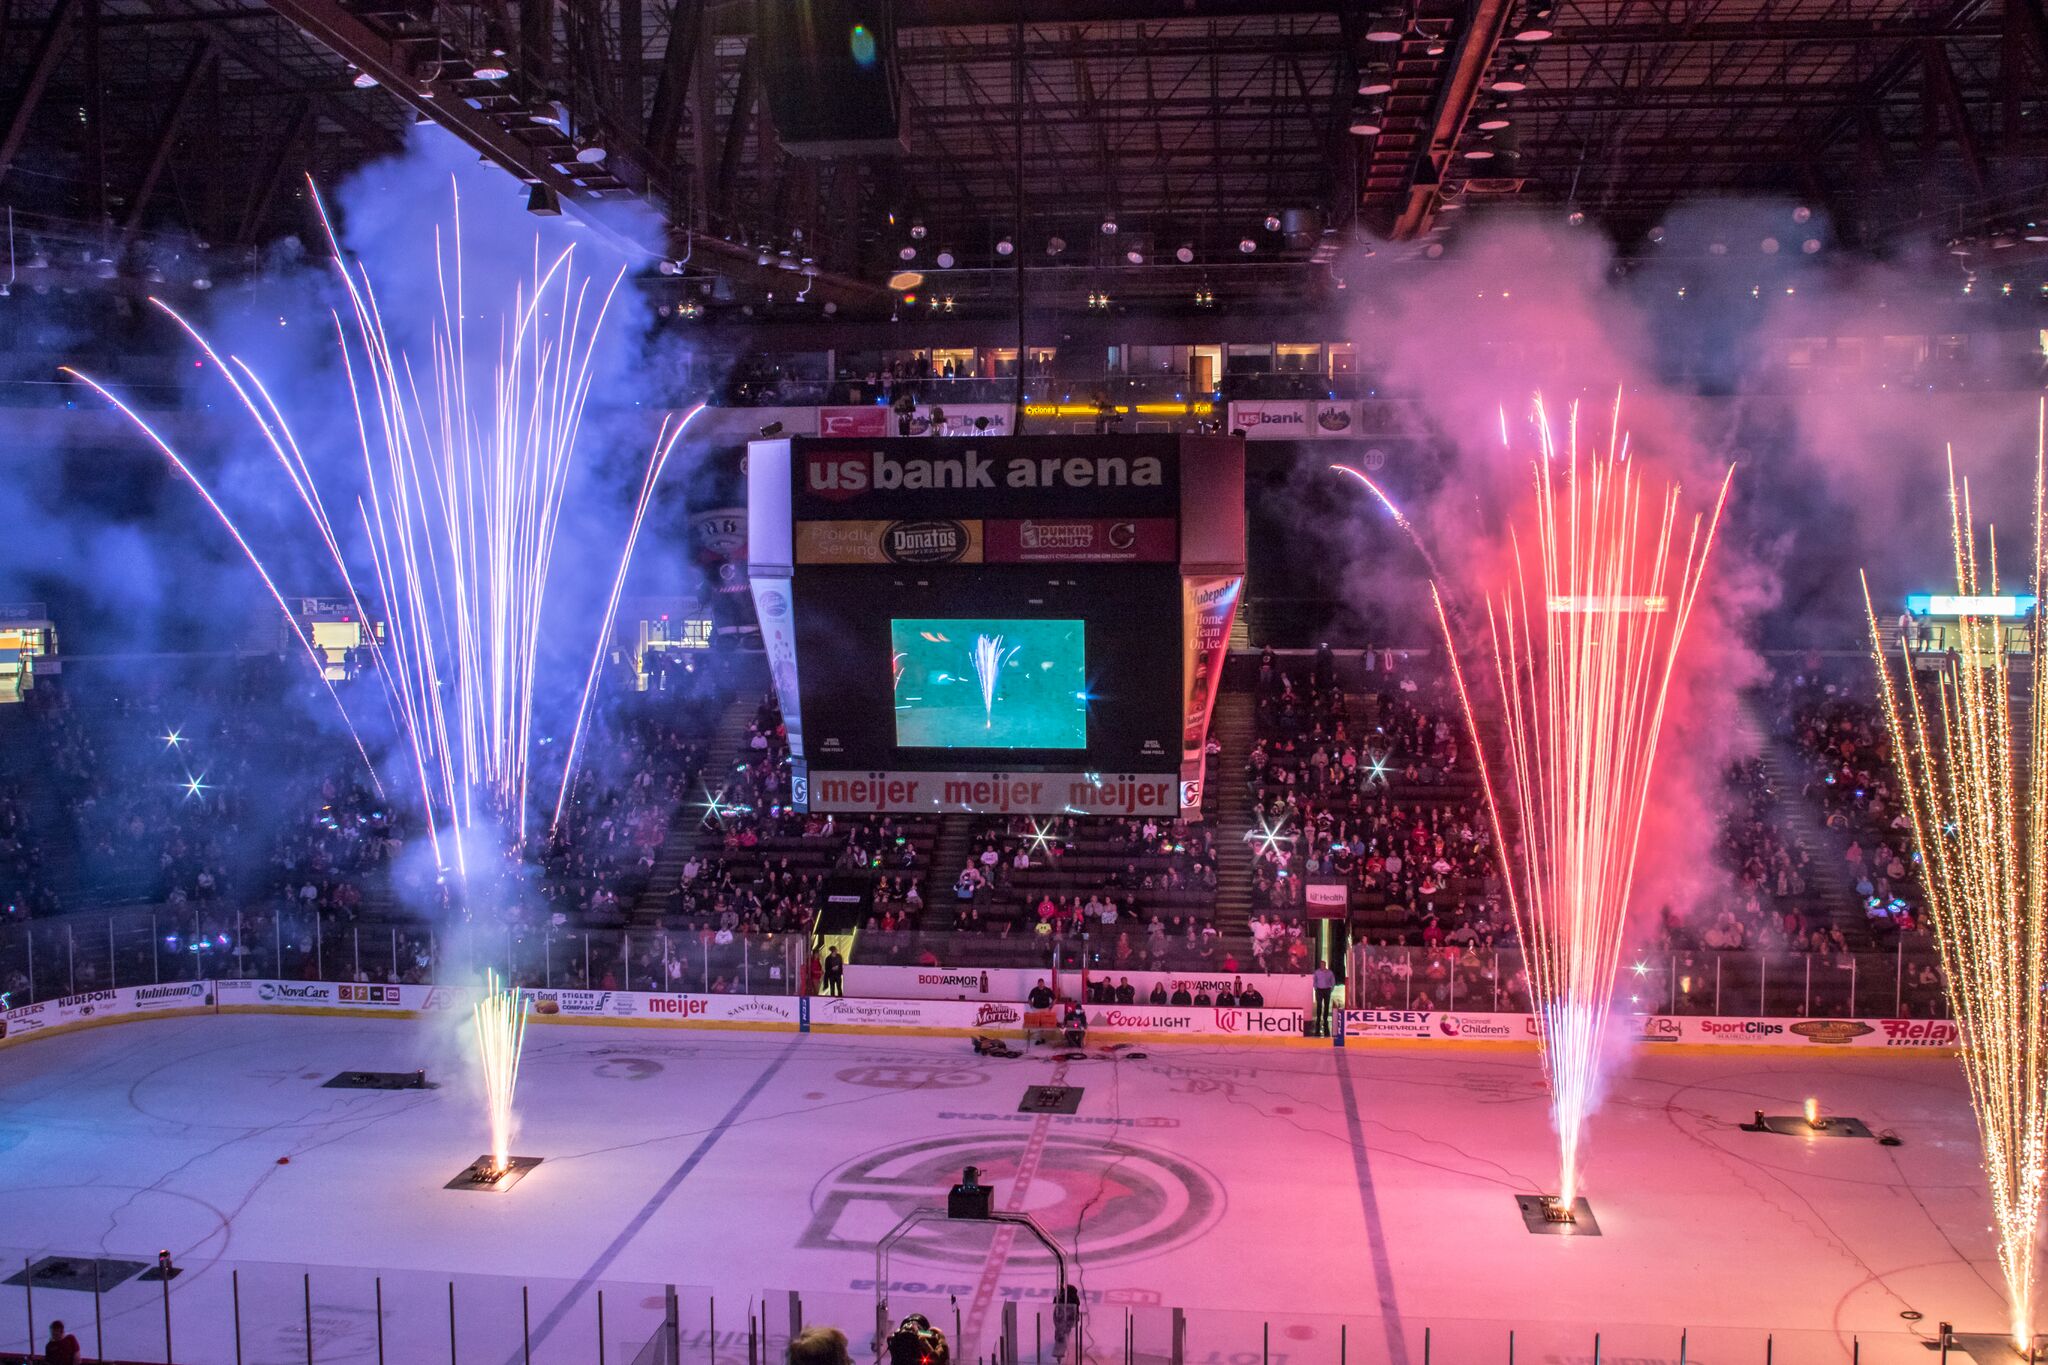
[(916, 1342)]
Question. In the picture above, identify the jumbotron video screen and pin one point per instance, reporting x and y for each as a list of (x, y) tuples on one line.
[(990, 683), (1002, 624)]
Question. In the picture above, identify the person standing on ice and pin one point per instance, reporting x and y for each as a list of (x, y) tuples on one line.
[(835, 972), (1066, 1316), (1326, 984)]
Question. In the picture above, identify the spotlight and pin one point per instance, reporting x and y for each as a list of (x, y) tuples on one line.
[(1494, 119), (764, 257), (492, 69), (1365, 123), (1801, 214), (1135, 256), (945, 259), (202, 282), (906, 252), (1272, 222), (917, 229), (1657, 233), (1482, 152), (1812, 244), (1535, 26), (543, 201), (1247, 245), (1184, 253), (1386, 26), (668, 267), (590, 153), (364, 81), (1109, 225), (1004, 246), (1377, 79)]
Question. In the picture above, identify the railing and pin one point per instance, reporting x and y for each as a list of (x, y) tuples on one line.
[(1902, 984), (267, 1313), (49, 959)]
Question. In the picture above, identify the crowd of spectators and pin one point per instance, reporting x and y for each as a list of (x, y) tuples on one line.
[(1840, 736), (1384, 800)]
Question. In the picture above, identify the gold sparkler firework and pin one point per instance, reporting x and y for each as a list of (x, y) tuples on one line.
[(1982, 831), (500, 1034), (1585, 644)]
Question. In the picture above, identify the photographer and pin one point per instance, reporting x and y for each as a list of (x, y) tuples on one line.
[(916, 1342)]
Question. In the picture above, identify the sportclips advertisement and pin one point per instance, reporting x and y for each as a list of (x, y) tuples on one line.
[(1208, 605)]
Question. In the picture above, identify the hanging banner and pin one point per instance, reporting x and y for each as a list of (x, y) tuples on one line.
[(775, 606), (1208, 605)]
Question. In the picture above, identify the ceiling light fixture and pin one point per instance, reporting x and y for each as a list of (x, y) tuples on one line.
[(1386, 26)]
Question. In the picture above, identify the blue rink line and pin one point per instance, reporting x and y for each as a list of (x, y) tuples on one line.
[(1369, 1205), (653, 1205)]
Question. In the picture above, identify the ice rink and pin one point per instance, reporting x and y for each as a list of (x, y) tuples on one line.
[(1301, 1201)]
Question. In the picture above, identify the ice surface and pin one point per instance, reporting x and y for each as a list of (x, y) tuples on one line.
[(1224, 1181)]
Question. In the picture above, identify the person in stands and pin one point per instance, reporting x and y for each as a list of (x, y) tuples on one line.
[(1126, 993), (1181, 997), (1041, 996), (62, 1348), (1158, 993)]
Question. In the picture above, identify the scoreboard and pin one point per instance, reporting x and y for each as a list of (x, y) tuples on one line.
[(1006, 624)]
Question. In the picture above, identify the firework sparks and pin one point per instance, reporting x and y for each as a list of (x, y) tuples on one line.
[(1400, 517), (466, 463), (1973, 767), (1583, 691), (500, 1034), (989, 658)]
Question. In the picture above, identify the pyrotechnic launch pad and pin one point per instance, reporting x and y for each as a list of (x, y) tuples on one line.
[(1546, 1215), (1798, 1125), (478, 1176), (1988, 1348)]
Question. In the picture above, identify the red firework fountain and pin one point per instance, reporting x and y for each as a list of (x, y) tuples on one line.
[(1585, 642)]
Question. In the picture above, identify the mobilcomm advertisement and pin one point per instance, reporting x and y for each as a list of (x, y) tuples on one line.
[(90, 1007)]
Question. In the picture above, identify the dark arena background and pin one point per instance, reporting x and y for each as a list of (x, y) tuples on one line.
[(1023, 682)]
